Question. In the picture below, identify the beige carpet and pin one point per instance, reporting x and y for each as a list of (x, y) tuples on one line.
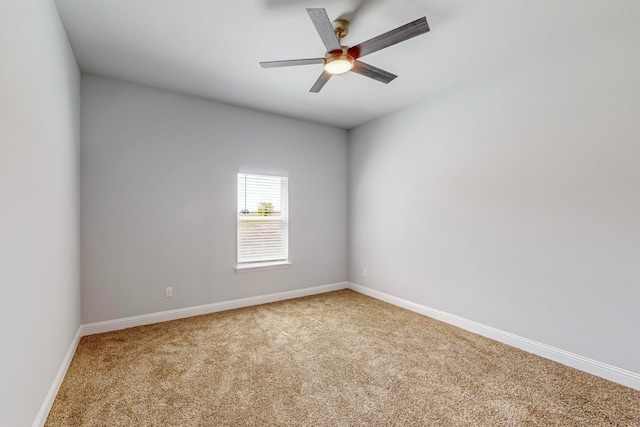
[(336, 359)]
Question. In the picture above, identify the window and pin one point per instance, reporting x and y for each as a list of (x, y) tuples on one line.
[(263, 220)]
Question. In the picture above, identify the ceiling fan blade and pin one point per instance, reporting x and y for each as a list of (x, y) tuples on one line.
[(324, 28), (319, 84), (372, 72), (400, 34), (291, 62)]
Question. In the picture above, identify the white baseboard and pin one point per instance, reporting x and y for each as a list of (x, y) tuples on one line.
[(603, 370), (43, 413), (163, 316), (609, 372)]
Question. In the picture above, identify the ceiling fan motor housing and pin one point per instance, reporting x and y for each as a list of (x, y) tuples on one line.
[(338, 62)]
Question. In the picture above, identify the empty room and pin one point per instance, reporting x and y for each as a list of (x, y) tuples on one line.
[(349, 212)]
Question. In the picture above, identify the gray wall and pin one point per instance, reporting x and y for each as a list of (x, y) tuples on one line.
[(514, 201), (39, 255), (158, 173)]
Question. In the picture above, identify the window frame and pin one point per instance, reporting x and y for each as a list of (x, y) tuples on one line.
[(265, 264)]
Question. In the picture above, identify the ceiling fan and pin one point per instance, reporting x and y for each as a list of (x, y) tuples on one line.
[(341, 59)]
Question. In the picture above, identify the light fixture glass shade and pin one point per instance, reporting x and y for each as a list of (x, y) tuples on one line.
[(338, 64)]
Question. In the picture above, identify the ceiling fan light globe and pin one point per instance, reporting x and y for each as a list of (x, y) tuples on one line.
[(338, 64)]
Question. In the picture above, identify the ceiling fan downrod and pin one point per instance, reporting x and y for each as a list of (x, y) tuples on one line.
[(341, 28)]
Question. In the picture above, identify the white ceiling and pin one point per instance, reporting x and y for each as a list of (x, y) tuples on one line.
[(211, 48)]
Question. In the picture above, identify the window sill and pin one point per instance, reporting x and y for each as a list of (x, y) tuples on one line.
[(257, 266)]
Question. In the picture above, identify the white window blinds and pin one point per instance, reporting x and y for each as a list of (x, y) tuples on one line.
[(262, 218)]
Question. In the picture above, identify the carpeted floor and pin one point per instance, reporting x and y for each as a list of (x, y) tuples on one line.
[(335, 359)]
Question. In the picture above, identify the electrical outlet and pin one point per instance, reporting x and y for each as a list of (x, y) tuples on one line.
[(168, 292), (365, 273)]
